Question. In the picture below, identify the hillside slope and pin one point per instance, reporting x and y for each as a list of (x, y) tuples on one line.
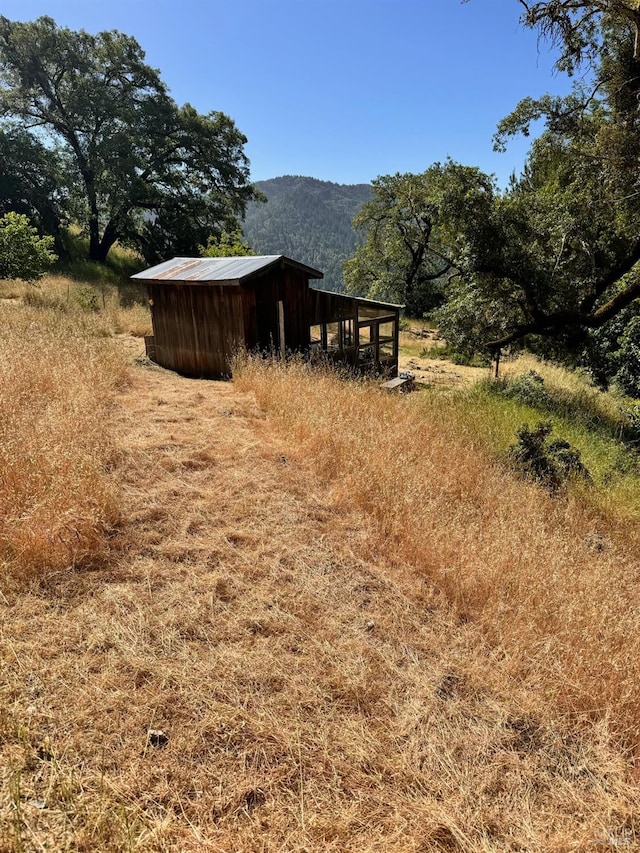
[(308, 220), (305, 692)]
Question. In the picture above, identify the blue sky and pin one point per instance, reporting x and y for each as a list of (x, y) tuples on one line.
[(341, 90)]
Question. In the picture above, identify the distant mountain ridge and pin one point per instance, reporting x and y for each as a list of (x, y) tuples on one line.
[(308, 220)]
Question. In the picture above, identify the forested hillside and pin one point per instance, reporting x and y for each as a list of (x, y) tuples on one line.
[(308, 220)]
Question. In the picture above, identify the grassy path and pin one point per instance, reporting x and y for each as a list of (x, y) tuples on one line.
[(307, 695)]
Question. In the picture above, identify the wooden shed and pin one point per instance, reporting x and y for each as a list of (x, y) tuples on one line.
[(204, 309)]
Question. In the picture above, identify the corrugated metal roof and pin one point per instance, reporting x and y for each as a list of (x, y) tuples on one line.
[(218, 269)]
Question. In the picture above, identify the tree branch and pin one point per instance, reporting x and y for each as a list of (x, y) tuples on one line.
[(615, 274), (550, 324)]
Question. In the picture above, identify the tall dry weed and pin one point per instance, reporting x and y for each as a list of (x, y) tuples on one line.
[(57, 379), (554, 584)]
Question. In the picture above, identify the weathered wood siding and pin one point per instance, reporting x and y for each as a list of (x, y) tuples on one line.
[(197, 328), (260, 298), (297, 307), (328, 307)]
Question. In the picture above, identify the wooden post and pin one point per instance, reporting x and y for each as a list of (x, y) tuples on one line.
[(282, 346)]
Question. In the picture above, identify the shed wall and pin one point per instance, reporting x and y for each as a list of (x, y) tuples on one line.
[(297, 307), (197, 328), (260, 297)]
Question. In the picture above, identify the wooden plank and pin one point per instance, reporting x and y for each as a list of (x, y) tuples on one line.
[(150, 347), (398, 384)]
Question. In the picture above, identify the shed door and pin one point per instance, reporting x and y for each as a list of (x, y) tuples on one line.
[(268, 317)]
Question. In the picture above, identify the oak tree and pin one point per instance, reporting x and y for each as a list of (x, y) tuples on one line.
[(31, 180), (139, 168), (409, 252), (558, 267)]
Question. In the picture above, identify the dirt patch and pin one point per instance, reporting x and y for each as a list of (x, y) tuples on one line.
[(429, 370)]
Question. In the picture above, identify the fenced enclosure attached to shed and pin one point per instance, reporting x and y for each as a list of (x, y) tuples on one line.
[(360, 332), (204, 310)]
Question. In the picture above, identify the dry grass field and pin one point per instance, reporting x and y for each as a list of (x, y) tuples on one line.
[(295, 614), (58, 377)]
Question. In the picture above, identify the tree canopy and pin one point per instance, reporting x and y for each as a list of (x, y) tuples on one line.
[(30, 181), (135, 166), (410, 251), (553, 259), (575, 211), (228, 245)]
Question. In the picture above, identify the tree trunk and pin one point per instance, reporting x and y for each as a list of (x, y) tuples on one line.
[(94, 239), (109, 237), (94, 219), (99, 246)]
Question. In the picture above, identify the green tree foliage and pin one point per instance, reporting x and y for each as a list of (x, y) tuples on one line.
[(574, 27), (626, 359), (581, 182), (31, 178), (138, 167), (412, 226), (548, 260), (557, 263), (307, 220), (612, 353), (23, 252), (228, 245)]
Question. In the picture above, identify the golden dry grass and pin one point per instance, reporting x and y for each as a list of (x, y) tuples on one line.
[(131, 320), (554, 585), (57, 380), (78, 298), (317, 689)]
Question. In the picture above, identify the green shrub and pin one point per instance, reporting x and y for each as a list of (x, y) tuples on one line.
[(581, 404), (529, 389), (549, 463), (23, 252), (632, 415)]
